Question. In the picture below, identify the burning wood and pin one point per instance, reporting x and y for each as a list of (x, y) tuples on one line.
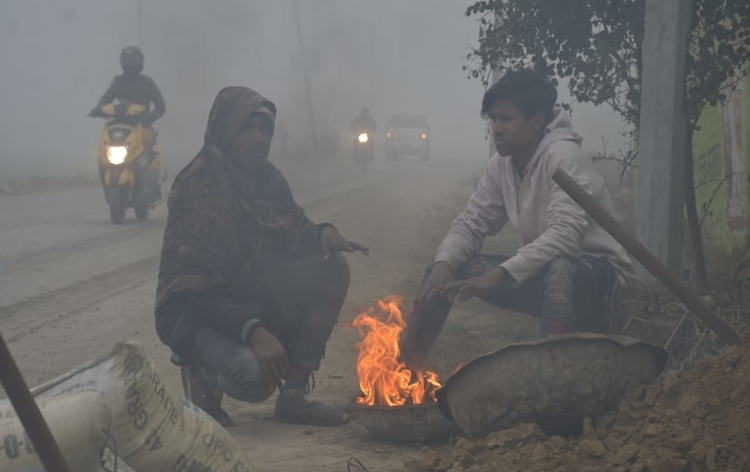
[(385, 380)]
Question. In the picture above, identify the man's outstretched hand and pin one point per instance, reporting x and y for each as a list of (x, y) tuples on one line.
[(428, 317), (440, 275), (464, 290), (331, 240)]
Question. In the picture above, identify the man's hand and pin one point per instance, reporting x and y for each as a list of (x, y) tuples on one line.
[(271, 356), (331, 240), (464, 290), (440, 275)]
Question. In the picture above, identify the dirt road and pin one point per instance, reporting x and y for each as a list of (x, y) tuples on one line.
[(72, 284)]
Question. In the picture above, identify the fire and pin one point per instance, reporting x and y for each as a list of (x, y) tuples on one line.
[(383, 378)]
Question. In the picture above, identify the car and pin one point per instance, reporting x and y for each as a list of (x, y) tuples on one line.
[(407, 134)]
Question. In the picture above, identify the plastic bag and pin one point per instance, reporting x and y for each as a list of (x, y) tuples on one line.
[(78, 421), (151, 427)]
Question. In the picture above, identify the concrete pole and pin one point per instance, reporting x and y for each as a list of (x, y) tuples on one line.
[(139, 6), (661, 133), (494, 77), (305, 76)]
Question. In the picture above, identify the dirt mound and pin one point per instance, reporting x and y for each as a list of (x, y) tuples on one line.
[(697, 420)]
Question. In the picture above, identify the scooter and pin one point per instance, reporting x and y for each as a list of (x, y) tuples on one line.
[(364, 149), (128, 166)]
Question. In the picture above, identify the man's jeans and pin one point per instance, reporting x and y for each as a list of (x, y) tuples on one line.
[(570, 294)]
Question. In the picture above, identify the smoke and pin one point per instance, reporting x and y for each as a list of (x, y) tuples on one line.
[(58, 57)]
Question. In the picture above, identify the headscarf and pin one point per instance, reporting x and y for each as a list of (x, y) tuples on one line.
[(222, 217)]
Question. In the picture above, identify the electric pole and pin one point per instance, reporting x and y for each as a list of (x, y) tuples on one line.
[(662, 132), (308, 91), (139, 10), (494, 77)]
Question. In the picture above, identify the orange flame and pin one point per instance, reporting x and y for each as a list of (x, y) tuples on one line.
[(383, 378)]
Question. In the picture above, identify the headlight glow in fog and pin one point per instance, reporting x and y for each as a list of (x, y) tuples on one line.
[(116, 154), (363, 138)]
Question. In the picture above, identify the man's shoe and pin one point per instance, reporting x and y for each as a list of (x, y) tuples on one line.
[(202, 393)]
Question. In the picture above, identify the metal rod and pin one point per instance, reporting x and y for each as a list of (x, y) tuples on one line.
[(28, 412), (642, 255)]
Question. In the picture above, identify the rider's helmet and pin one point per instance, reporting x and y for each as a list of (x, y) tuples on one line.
[(131, 60), (365, 111)]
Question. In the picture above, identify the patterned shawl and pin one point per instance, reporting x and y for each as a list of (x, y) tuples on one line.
[(221, 217)]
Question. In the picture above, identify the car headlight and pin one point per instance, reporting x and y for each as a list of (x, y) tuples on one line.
[(363, 138), (116, 154)]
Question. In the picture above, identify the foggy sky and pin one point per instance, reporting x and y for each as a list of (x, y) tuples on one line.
[(59, 56)]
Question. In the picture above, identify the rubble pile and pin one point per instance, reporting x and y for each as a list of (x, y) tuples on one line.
[(690, 421)]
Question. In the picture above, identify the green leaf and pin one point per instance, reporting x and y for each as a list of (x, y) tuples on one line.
[(598, 45)]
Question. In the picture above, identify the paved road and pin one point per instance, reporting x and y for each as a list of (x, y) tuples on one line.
[(72, 284), (60, 254)]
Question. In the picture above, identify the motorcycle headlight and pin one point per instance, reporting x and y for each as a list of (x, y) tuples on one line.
[(116, 154), (424, 136), (363, 138)]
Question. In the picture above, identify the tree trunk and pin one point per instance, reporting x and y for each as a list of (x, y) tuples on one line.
[(694, 226)]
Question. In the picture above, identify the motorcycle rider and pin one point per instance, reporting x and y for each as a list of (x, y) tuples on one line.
[(135, 87), (364, 123)]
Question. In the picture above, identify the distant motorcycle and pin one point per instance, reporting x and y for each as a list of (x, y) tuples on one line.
[(364, 149), (129, 172)]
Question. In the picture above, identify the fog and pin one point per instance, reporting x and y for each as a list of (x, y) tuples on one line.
[(59, 56)]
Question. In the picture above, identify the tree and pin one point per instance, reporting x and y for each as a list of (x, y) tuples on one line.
[(597, 46)]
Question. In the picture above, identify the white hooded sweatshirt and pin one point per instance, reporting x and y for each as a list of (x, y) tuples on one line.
[(550, 223)]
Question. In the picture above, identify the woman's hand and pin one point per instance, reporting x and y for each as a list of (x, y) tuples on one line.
[(331, 240), (271, 356), (464, 290)]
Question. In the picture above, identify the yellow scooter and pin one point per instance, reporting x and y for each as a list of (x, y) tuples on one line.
[(129, 160)]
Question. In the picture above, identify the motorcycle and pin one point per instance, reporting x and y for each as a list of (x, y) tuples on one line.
[(364, 149), (129, 172)]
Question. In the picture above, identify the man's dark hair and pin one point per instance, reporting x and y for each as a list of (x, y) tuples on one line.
[(529, 91)]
